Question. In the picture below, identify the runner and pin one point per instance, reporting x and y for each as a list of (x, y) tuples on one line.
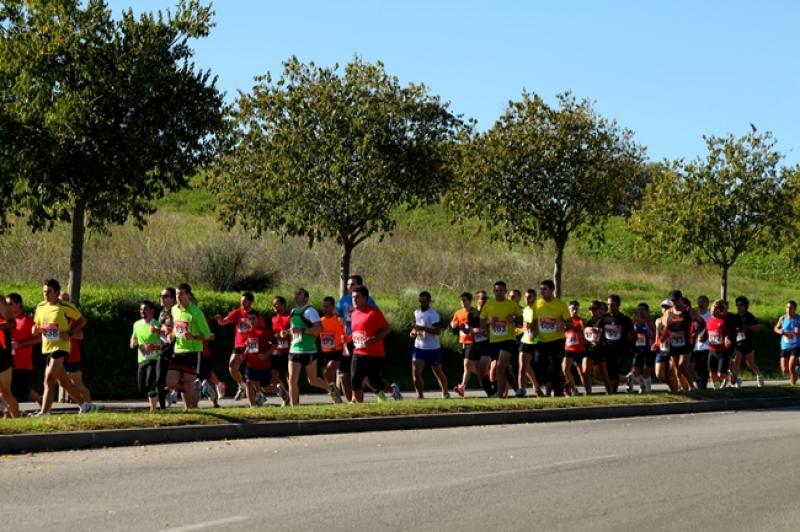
[(257, 374), (678, 336), (427, 348), (6, 365), (146, 339), (643, 356), (331, 340), (500, 315), (22, 342), (369, 328), (238, 317), (552, 317), (464, 321), (207, 382), (719, 345), (661, 346), (528, 346), (305, 325), (618, 330), (788, 327), (189, 330), (699, 363), (73, 363), (167, 300), (279, 357), (344, 308), (575, 351), (745, 346), (57, 322), (595, 360), (482, 347)]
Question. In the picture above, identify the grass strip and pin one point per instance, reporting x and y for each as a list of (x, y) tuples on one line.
[(214, 416)]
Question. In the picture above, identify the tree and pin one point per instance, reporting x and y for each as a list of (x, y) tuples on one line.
[(716, 208), (545, 173), (324, 155), (113, 112)]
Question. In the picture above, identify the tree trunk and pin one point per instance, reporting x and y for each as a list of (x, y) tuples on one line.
[(344, 271), (723, 282), (559, 263), (76, 252)]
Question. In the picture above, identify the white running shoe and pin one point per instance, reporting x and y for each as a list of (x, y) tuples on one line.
[(396, 395), (759, 381)]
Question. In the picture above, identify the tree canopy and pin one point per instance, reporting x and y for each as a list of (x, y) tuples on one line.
[(328, 154), (112, 113), (544, 172)]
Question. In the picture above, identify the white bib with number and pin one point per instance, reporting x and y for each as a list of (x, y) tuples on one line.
[(677, 339), (547, 325), (499, 328), (252, 345), (613, 333), (359, 340), (327, 341), (50, 332)]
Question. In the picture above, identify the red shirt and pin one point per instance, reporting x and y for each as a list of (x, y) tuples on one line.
[(257, 348), (23, 356), (716, 334), (575, 342), (74, 352), (366, 324), (281, 323), (238, 317)]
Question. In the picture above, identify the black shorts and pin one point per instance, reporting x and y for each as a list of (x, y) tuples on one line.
[(528, 349), (184, 362), (789, 353), (303, 358), (367, 367), (719, 361), (644, 358), (745, 348), (72, 367), (147, 378), (5, 363), (238, 352), (597, 356), (345, 365), (469, 352), (55, 355), (205, 368), (481, 349), (509, 346), (21, 381), (577, 356), (680, 351), (336, 356), (279, 363), (260, 376)]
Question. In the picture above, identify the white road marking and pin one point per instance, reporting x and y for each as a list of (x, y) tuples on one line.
[(207, 524)]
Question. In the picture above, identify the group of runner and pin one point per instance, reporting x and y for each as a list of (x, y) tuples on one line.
[(508, 344)]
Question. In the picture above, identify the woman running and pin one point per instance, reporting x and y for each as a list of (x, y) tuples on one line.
[(788, 327)]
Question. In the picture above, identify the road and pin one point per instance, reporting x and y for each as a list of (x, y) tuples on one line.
[(724, 471)]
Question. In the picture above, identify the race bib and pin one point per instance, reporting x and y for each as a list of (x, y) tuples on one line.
[(741, 337), (252, 345), (359, 339), (677, 339), (328, 341), (283, 342), (480, 336), (572, 338), (181, 328), (500, 328), (590, 334), (613, 333), (244, 326), (788, 338), (664, 348), (547, 325), (297, 337), (641, 340), (50, 332)]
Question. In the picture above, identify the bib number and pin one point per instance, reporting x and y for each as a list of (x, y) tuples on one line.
[(741, 337), (328, 341), (181, 328), (714, 339), (50, 332), (641, 340), (252, 345), (499, 328), (677, 339), (359, 340), (572, 338), (244, 326), (297, 337), (613, 333), (547, 325), (480, 336)]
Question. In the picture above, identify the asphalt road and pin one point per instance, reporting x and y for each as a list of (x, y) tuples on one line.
[(722, 471)]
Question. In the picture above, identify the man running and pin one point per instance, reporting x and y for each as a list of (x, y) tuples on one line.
[(344, 308), (552, 316), (678, 335), (189, 330), (575, 350), (528, 346), (369, 329), (73, 363), (22, 342), (617, 329), (643, 357), (305, 326), (167, 299), (146, 339), (282, 336), (57, 322), (427, 348), (745, 344), (500, 315), (788, 326), (463, 322), (331, 340), (595, 348), (238, 317), (257, 374), (699, 362)]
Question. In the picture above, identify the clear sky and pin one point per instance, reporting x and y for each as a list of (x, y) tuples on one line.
[(671, 71)]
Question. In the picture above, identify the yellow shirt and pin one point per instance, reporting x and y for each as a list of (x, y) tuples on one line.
[(528, 316), (53, 319), (550, 317), (497, 313)]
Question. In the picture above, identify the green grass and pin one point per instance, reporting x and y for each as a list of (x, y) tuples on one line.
[(110, 420)]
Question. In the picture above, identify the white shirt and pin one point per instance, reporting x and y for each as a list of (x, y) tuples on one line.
[(703, 346), (428, 318)]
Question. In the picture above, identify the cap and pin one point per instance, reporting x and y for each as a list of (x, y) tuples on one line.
[(666, 303)]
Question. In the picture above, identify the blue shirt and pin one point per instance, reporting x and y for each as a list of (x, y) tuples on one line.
[(790, 325), (345, 306)]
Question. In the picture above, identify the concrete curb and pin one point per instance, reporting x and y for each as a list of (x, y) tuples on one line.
[(62, 441)]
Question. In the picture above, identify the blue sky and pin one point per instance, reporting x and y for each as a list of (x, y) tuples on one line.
[(671, 71)]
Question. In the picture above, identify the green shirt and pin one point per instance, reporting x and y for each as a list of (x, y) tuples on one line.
[(192, 320), (301, 318), (149, 347)]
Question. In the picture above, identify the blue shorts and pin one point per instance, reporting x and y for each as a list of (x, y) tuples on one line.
[(431, 356), (261, 376)]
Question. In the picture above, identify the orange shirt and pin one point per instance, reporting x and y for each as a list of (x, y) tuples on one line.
[(461, 318), (331, 338)]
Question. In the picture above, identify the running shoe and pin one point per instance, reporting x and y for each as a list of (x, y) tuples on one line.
[(446, 395), (284, 395), (173, 397), (335, 395), (629, 382), (459, 389), (539, 392), (381, 396), (759, 381), (222, 390), (396, 395), (574, 391), (88, 408), (240, 393), (520, 392), (198, 386), (260, 399), (648, 384), (738, 384), (204, 388), (716, 385)]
